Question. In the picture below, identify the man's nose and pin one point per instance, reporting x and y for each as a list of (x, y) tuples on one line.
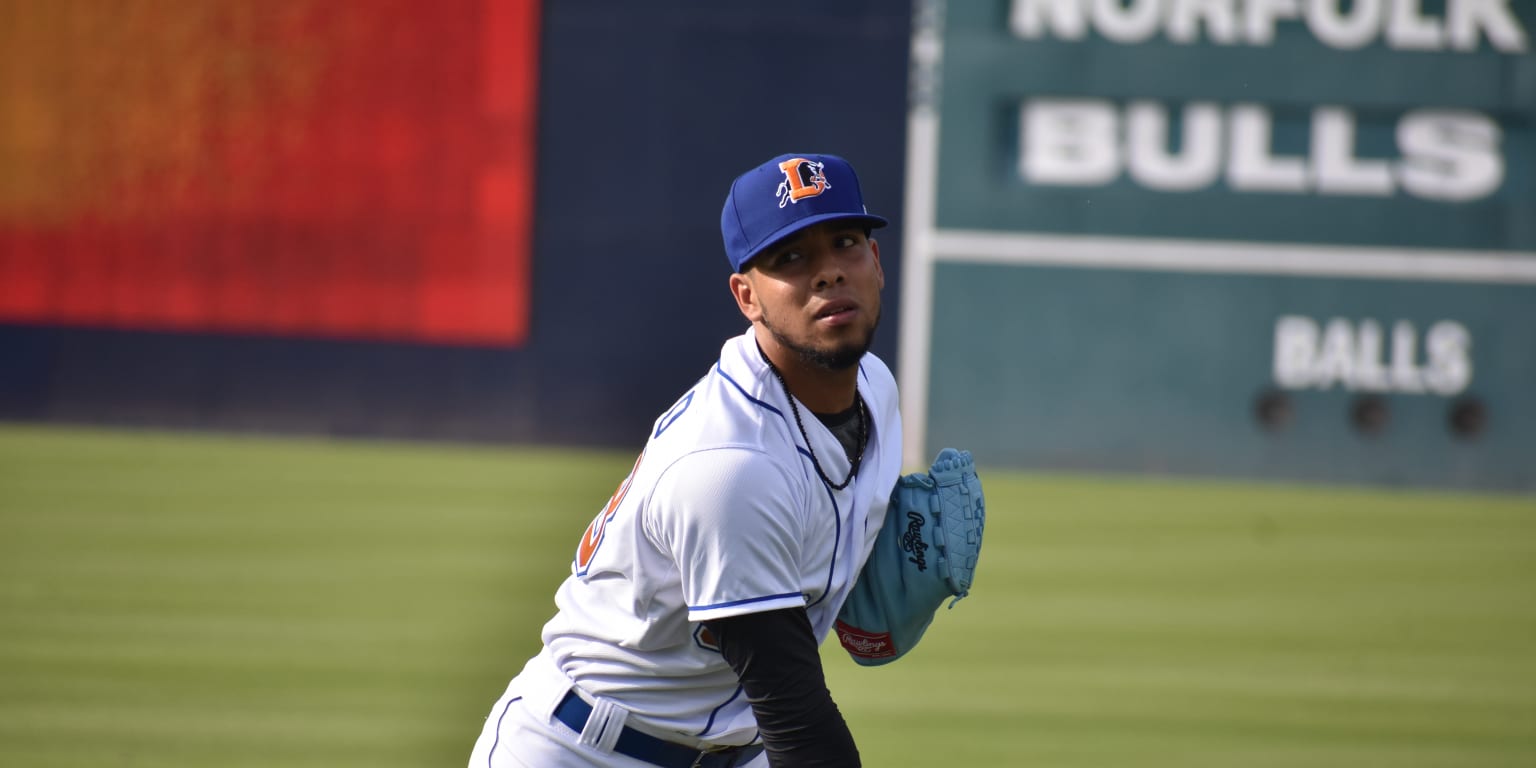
[(829, 271)]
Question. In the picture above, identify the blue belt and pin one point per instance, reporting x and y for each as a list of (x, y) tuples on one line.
[(647, 748)]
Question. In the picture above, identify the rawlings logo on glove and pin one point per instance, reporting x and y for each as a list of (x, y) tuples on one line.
[(864, 645), (913, 540), (934, 518)]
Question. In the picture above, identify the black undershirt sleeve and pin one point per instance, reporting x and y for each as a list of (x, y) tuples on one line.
[(774, 653)]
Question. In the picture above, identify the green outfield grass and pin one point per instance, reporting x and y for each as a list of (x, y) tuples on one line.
[(172, 600)]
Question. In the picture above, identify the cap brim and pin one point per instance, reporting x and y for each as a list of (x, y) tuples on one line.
[(784, 232)]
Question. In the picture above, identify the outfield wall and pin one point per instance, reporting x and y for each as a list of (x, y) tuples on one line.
[(328, 223), (1277, 240), (1280, 240)]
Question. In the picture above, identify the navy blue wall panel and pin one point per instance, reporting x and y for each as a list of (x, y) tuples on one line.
[(646, 112)]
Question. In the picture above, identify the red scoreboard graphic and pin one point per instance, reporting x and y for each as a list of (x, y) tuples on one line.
[(289, 167)]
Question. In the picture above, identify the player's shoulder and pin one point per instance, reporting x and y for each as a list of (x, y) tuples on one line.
[(725, 448), (727, 471), (876, 374), (878, 385), (736, 404)]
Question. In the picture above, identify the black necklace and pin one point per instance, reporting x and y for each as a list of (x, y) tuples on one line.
[(863, 430)]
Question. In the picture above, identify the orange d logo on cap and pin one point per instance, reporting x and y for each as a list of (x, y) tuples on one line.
[(802, 178), (748, 224)]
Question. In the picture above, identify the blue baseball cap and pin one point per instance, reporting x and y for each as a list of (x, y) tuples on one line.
[(785, 195)]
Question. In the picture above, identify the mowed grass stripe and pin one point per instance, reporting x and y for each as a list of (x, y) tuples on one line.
[(198, 600), (190, 600), (1125, 622)]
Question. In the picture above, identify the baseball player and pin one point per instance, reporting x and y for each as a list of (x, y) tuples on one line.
[(687, 631)]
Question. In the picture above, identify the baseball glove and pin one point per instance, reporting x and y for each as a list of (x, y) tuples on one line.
[(925, 553)]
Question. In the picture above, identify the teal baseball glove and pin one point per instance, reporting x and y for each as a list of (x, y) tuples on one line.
[(925, 554)]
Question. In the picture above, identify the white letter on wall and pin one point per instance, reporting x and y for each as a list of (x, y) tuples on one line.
[(1333, 157), (1064, 19), (1295, 349), (1449, 155), (1071, 142), (1251, 167), (1449, 348), (1198, 161), (1334, 28)]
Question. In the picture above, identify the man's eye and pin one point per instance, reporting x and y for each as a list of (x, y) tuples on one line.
[(846, 241), (787, 257)]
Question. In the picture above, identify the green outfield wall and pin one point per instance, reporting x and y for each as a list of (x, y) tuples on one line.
[(1293, 240), (1167, 372)]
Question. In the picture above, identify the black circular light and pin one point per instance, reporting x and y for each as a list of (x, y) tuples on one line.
[(1369, 414), (1467, 417), (1273, 410)]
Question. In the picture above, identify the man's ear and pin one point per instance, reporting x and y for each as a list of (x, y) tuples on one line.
[(874, 247), (746, 297)]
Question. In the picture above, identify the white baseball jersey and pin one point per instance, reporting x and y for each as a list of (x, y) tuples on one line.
[(723, 515)]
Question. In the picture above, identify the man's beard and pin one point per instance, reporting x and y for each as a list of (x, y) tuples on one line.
[(839, 359)]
